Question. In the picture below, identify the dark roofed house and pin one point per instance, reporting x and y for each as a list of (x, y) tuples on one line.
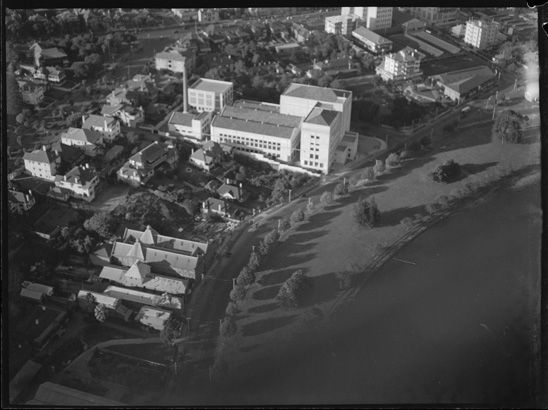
[(20, 202), (141, 166), (214, 205), (460, 84), (231, 192)]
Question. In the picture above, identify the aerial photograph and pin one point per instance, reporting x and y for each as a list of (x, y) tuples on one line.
[(272, 206)]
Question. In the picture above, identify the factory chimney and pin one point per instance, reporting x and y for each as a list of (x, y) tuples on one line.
[(185, 108)]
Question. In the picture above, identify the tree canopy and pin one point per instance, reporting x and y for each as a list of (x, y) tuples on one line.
[(366, 212), (508, 127)]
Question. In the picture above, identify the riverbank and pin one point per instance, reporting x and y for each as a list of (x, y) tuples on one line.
[(340, 245)]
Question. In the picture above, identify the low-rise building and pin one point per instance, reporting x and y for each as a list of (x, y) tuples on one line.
[(42, 163), (371, 40), (458, 31), (208, 15), (80, 182), (208, 156), (215, 206), (210, 95), (49, 73), (403, 65), (109, 127), (174, 60), (461, 84), (47, 56), (20, 202), (128, 115), (90, 141), (141, 166), (231, 192), (189, 125), (436, 16), (153, 317)]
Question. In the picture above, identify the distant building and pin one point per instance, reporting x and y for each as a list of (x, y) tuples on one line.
[(210, 95), (341, 25), (165, 255), (80, 182), (413, 25), (51, 74), (137, 297), (141, 166), (90, 141), (128, 115), (371, 41), (231, 192), (373, 18), (109, 127), (480, 33), (20, 202), (174, 60), (42, 163), (403, 65), (437, 16), (461, 84), (47, 56), (208, 15), (458, 31), (189, 125), (185, 14)]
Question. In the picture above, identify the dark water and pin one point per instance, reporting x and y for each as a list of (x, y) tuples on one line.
[(454, 328)]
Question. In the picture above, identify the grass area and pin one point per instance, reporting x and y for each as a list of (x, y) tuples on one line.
[(452, 63), (33, 319)]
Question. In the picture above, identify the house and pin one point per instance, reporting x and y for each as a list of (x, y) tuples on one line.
[(49, 73), (403, 65), (47, 56), (108, 126), (166, 255), (42, 163), (370, 40), (128, 115), (20, 202), (140, 275), (212, 185), (32, 290), (152, 317), (231, 192), (208, 156), (31, 93), (80, 182), (215, 206), (110, 302), (101, 255), (141, 166), (460, 84), (89, 141), (191, 125), (174, 60), (137, 298), (208, 15), (136, 91)]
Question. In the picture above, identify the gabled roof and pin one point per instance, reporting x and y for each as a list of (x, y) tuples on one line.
[(462, 81), (83, 134), (138, 270), (41, 155), (214, 203), (17, 196), (53, 53), (98, 121), (171, 55), (83, 174), (321, 116), (212, 148), (150, 154), (231, 190), (202, 156), (107, 109)]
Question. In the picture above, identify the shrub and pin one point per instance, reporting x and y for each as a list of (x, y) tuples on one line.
[(326, 198), (285, 224), (238, 293), (272, 237), (297, 216), (227, 327), (379, 168), (344, 279), (293, 289), (254, 261), (426, 141), (354, 179), (393, 160), (508, 128), (232, 309), (246, 277), (368, 174), (442, 201), (431, 208), (446, 172), (366, 212), (102, 223), (407, 222)]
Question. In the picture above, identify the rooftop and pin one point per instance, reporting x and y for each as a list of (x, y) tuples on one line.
[(321, 116), (83, 134), (313, 92), (98, 121), (80, 175), (150, 153), (41, 155), (216, 86), (261, 114), (370, 35)]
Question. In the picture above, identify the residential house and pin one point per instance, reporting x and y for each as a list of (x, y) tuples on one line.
[(31, 93), (141, 166), (174, 60), (215, 206), (164, 254), (208, 156), (191, 125), (90, 141), (80, 182), (208, 15), (47, 56), (42, 163), (231, 192), (137, 298), (108, 126), (153, 317), (51, 74), (128, 115), (140, 275), (20, 202)]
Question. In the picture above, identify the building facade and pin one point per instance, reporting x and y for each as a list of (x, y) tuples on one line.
[(437, 16), (371, 41), (481, 34), (403, 65), (109, 127), (42, 163), (80, 182), (373, 18), (90, 141), (210, 95), (141, 166), (188, 125), (208, 15), (20, 202), (341, 25)]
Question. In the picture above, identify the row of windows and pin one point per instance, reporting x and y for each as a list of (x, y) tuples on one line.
[(251, 143), (257, 151), (312, 156), (250, 140), (313, 164)]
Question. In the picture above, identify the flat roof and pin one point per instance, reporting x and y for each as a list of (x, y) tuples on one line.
[(262, 115), (370, 35), (207, 84), (252, 127), (313, 92)]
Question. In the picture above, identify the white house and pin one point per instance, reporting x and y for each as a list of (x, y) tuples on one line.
[(90, 141), (153, 317), (403, 65), (128, 115), (42, 163), (108, 126), (80, 182)]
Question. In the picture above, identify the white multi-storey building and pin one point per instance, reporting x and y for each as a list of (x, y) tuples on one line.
[(403, 65), (42, 163), (173, 60), (210, 95), (80, 182), (208, 15), (438, 16), (255, 127), (371, 41), (374, 18), (342, 25), (480, 33), (190, 125)]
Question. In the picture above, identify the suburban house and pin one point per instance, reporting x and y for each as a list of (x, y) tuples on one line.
[(42, 163), (460, 84), (164, 254), (47, 56), (231, 192), (153, 317), (80, 182), (31, 93), (208, 156), (213, 185), (190, 125), (215, 206), (20, 202), (49, 73), (140, 275), (90, 141), (108, 126), (135, 91), (136, 298), (141, 166), (127, 114)]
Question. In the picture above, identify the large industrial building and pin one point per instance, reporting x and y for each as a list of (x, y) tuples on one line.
[(210, 95), (373, 18)]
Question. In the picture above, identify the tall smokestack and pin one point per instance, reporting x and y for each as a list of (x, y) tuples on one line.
[(185, 108)]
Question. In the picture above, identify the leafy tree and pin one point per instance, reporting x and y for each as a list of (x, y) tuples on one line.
[(100, 312), (14, 101), (325, 81), (297, 216), (237, 294), (378, 169), (90, 298), (446, 172), (285, 224), (426, 141), (326, 198), (340, 189), (508, 128), (170, 332), (293, 289), (103, 223), (254, 261), (344, 279), (232, 309), (393, 160), (246, 277), (368, 174), (80, 69), (227, 327), (366, 212), (272, 237)]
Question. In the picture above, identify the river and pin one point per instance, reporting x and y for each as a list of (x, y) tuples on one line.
[(454, 328)]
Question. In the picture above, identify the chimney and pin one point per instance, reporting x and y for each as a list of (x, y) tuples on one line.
[(76, 180), (105, 123), (228, 181), (64, 177), (185, 108), (83, 120), (43, 147), (219, 207)]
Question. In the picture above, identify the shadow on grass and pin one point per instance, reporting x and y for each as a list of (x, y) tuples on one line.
[(279, 260), (470, 169), (322, 288), (266, 325), (352, 197), (406, 168), (267, 293), (277, 277), (267, 307), (297, 238), (395, 216), (317, 221)]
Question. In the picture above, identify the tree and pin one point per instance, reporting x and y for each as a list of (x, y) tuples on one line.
[(80, 69), (254, 261), (297, 216), (393, 160), (227, 327), (325, 81), (100, 312), (103, 223), (170, 332), (344, 278), (90, 298), (237, 294), (272, 237), (232, 309), (368, 174), (285, 224), (378, 169), (446, 172), (326, 198), (426, 141), (293, 290), (340, 189), (508, 128), (246, 277), (366, 212), (14, 101)]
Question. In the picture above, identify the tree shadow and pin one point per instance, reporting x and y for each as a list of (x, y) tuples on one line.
[(266, 325), (277, 277), (267, 307), (394, 217), (297, 238), (470, 169), (323, 288), (353, 196), (460, 140), (317, 221), (267, 293), (284, 261), (406, 168)]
